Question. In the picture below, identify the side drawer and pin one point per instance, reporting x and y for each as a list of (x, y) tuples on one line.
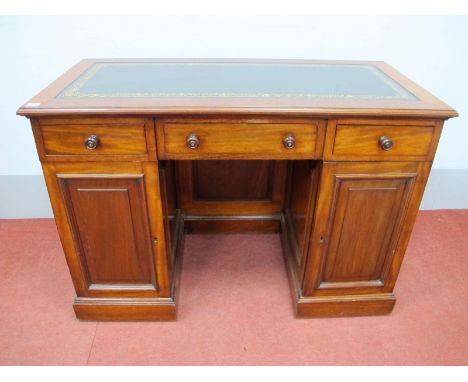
[(95, 139), (381, 140), (259, 138)]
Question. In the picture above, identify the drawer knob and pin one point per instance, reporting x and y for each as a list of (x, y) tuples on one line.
[(193, 141), (385, 143), (91, 142), (289, 142)]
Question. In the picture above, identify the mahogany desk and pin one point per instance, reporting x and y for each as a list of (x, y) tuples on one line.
[(334, 156)]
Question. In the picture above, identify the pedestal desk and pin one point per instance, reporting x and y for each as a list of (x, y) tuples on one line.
[(332, 155)]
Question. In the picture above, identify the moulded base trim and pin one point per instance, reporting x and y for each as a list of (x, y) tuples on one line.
[(125, 309), (356, 305)]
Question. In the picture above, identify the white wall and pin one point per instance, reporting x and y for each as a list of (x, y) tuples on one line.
[(35, 50)]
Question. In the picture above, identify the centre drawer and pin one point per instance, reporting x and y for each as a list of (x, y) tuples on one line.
[(246, 138)]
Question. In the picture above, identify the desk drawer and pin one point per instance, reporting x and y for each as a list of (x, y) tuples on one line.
[(92, 138), (247, 139), (381, 140)]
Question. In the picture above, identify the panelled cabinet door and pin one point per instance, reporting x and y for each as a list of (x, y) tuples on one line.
[(111, 227), (112, 251), (358, 240)]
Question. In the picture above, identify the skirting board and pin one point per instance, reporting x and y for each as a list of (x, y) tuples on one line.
[(25, 196)]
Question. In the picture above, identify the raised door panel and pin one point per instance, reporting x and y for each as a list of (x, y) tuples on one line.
[(111, 227), (362, 229), (109, 222), (363, 210)]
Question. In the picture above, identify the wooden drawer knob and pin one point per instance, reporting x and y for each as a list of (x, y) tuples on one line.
[(193, 141), (289, 142), (385, 143), (91, 142)]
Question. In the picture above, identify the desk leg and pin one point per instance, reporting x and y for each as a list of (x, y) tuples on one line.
[(109, 218), (362, 223)]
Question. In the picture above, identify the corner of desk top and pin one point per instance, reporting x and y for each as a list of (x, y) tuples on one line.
[(22, 112)]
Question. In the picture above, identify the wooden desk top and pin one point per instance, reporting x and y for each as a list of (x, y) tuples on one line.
[(169, 86)]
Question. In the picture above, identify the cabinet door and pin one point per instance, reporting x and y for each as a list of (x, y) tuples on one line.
[(363, 220), (108, 236)]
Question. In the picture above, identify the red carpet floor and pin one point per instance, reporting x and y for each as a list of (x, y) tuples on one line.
[(235, 307)]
